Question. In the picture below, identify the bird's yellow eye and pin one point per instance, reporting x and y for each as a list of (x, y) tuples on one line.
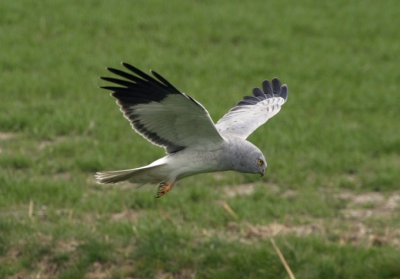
[(260, 162)]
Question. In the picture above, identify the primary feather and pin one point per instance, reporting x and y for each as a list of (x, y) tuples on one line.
[(252, 112), (161, 113)]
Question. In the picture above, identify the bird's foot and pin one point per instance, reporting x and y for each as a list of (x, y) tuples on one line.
[(164, 188)]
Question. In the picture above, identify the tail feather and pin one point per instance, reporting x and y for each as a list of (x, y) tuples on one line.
[(148, 174)]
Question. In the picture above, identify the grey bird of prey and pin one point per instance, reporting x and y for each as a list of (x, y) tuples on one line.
[(194, 144)]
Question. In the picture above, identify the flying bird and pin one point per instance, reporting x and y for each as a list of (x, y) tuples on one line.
[(194, 144)]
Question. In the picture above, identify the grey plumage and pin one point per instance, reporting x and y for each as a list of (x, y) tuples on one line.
[(171, 119)]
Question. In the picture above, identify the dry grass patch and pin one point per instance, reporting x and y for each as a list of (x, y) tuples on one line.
[(7, 135)]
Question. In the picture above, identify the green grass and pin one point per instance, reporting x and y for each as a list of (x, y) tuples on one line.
[(331, 194)]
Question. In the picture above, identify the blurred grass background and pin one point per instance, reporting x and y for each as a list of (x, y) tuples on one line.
[(330, 198)]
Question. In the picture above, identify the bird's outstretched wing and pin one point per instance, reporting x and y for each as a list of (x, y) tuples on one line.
[(252, 112), (161, 113)]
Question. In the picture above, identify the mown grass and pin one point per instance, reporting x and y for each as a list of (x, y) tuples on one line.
[(330, 198)]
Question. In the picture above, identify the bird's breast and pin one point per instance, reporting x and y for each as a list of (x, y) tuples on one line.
[(190, 162)]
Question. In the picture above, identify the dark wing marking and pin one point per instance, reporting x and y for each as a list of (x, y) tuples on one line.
[(252, 112), (161, 113)]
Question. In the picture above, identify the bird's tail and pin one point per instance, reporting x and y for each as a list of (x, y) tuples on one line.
[(140, 176)]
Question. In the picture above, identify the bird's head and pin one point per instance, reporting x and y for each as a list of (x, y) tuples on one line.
[(261, 165), (256, 163), (250, 159)]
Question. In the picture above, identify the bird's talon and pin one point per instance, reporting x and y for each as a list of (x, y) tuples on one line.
[(163, 188)]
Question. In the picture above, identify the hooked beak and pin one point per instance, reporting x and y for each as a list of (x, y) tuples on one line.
[(263, 172)]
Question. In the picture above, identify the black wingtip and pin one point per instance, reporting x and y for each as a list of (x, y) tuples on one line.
[(284, 92), (126, 65), (258, 93), (276, 86), (274, 89), (267, 88)]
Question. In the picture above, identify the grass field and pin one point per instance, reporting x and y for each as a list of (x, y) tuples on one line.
[(330, 198)]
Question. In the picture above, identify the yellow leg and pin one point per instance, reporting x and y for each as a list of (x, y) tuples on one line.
[(164, 188)]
